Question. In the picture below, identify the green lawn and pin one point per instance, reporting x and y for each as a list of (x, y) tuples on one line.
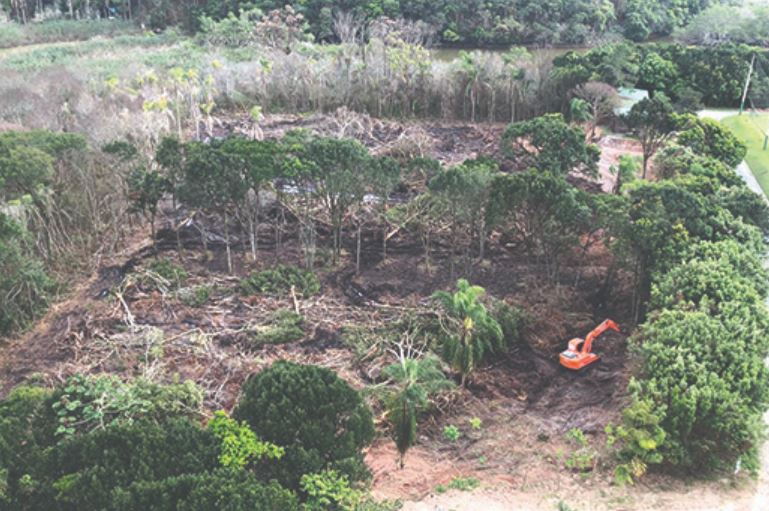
[(748, 128)]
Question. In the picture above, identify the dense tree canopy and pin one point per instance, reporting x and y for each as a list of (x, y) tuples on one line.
[(688, 74), (164, 463), (467, 22)]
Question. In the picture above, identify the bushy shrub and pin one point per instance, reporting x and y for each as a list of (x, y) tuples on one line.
[(638, 440), (329, 491), (280, 280), (25, 287), (221, 489), (195, 296), (511, 320), (320, 421), (173, 273), (160, 462), (90, 471), (85, 403), (284, 326), (239, 445), (705, 376)]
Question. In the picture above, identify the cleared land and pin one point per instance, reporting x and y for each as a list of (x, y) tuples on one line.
[(750, 128)]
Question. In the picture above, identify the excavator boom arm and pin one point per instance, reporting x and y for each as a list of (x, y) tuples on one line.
[(597, 331)]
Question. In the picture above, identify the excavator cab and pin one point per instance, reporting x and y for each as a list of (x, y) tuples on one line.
[(579, 353)]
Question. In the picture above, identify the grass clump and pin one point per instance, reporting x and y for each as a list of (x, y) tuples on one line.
[(279, 281), (459, 483), (285, 326), (166, 269), (195, 296)]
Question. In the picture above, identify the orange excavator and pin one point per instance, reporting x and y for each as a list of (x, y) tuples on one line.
[(575, 358)]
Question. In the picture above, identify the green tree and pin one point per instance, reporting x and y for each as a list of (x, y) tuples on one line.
[(213, 182), (709, 138), (338, 171), (463, 194), (656, 72), (416, 380), (385, 177), (625, 172), (257, 164), (468, 332), (543, 210), (145, 190), (579, 111), (653, 121), (549, 143), (320, 421)]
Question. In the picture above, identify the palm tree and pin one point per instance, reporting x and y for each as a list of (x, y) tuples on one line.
[(470, 331), (579, 111), (469, 67), (416, 379)]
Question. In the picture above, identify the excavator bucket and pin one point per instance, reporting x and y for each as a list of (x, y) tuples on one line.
[(579, 353)]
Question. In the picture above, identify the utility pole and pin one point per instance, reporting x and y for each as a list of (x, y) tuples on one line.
[(747, 84)]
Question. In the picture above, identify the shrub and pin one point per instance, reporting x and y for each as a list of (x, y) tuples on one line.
[(91, 471), (220, 489), (511, 320), (25, 288), (285, 326), (329, 491), (705, 379), (24, 414), (280, 280), (459, 483), (173, 273), (638, 439), (319, 420), (85, 403), (451, 433), (195, 296), (142, 464), (239, 445)]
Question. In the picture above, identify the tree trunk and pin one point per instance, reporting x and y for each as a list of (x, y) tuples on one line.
[(384, 242), (357, 251), (152, 233), (227, 242), (204, 238), (646, 164)]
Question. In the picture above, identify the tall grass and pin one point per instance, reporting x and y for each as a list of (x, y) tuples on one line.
[(13, 34)]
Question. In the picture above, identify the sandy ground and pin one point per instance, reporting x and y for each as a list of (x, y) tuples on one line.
[(612, 147)]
